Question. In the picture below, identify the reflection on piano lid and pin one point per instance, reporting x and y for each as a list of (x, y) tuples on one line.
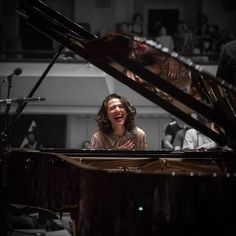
[(165, 78)]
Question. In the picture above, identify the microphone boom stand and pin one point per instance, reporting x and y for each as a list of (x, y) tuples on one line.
[(5, 147)]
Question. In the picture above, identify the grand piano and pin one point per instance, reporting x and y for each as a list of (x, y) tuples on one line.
[(133, 192)]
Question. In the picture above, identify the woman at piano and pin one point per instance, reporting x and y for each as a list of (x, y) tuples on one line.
[(116, 126)]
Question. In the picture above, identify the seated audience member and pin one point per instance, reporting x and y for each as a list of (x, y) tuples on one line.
[(169, 135), (179, 138), (137, 25), (215, 35), (195, 140), (116, 126), (85, 144), (164, 39), (225, 36), (32, 143), (201, 31), (122, 27), (183, 38)]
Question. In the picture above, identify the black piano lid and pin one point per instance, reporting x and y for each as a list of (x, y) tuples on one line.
[(143, 65)]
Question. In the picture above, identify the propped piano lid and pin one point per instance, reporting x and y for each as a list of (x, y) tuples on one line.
[(165, 78)]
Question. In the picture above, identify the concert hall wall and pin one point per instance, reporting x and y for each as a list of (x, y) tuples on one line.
[(73, 94)]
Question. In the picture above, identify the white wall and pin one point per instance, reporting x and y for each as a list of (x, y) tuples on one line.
[(77, 90)]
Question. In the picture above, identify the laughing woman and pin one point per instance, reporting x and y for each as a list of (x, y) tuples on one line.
[(116, 126)]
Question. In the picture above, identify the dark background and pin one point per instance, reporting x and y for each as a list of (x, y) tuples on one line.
[(50, 130)]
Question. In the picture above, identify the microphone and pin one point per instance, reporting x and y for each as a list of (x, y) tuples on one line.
[(17, 71), (21, 100)]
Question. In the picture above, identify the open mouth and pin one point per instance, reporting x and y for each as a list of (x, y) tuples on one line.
[(119, 118)]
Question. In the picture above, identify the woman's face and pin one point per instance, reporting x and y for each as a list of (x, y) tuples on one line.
[(116, 112)]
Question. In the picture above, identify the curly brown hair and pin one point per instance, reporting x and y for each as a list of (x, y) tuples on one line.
[(104, 124)]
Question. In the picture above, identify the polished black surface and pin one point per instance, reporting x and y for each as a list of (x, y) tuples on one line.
[(129, 196)]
